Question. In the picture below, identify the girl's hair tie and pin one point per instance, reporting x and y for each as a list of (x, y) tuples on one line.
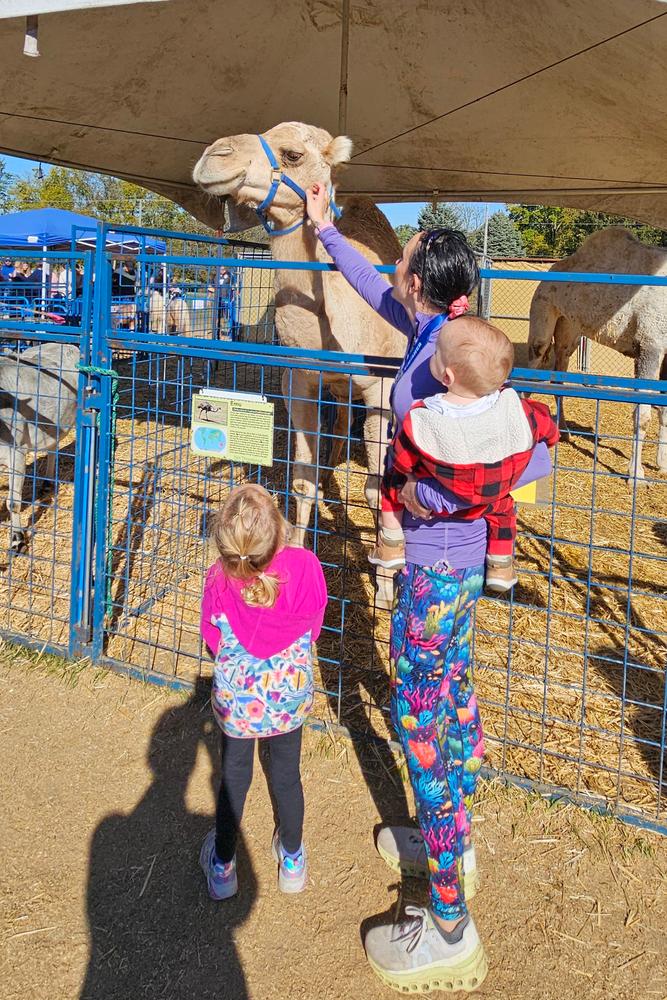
[(243, 558), (458, 307)]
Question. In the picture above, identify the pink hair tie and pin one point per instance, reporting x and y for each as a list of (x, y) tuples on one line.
[(458, 307)]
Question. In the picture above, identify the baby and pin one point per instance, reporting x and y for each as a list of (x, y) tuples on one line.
[(475, 439)]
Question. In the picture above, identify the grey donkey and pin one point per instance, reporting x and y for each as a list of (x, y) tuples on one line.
[(38, 400)]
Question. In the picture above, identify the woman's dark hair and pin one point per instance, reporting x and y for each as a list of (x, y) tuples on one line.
[(446, 264)]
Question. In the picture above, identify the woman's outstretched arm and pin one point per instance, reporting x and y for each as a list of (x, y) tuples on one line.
[(354, 267)]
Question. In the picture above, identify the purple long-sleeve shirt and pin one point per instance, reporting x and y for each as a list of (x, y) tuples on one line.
[(461, 544)]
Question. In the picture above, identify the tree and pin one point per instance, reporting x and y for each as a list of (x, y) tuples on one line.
[(556, 232), (101, 197), (443, 215), (405, 233), (503, 238), (6, 180)]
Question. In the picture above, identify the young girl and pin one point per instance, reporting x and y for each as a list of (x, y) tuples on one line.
[(262, 607)]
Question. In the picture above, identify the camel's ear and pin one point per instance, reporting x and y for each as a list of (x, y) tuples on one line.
[(338, 151)]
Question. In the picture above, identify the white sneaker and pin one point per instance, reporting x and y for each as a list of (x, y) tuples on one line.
[(402, 848), (292, 872), (414, 957)]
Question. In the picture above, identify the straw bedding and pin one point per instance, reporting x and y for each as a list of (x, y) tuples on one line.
[(562, 703)]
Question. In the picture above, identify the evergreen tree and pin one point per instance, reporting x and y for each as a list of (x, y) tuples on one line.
[(444, 215), (503, 238)]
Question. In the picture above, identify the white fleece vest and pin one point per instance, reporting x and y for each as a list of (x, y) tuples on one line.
[(497, 431)]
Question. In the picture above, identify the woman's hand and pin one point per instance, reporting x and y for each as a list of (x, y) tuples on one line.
[(317, 204), (408, 496)]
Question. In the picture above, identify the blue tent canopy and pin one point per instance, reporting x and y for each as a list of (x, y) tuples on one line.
[(54, 227)]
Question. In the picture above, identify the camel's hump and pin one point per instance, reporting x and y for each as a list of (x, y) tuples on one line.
[(616, 250), (363, 222)]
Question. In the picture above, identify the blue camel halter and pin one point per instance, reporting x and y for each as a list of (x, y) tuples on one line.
[(278, 178)]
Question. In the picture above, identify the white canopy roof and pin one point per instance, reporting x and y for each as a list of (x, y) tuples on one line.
[(552, 101), (25, 8)]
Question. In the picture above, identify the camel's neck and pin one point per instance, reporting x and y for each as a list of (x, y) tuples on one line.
[(299, 245)]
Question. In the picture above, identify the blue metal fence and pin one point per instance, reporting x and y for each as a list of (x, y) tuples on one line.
[(570, 668)]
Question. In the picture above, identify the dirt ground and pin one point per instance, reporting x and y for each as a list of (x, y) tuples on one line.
[(107, 787)]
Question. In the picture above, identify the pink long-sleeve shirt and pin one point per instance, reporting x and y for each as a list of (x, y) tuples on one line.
[(266, 631)]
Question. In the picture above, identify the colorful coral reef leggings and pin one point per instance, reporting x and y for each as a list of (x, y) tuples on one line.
[(435, 714)]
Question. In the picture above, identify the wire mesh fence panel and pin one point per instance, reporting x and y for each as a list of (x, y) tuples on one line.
[(164, 496), (43, 292), (38, 407), (159, 286), (570, 668), (507, 304)]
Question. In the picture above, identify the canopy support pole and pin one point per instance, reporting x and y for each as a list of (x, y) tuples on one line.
[(30, 43), (344, 48)]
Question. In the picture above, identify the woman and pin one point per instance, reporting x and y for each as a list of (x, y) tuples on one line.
[(433, 705)]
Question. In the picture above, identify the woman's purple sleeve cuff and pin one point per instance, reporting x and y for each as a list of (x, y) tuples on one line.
[(540, 465), (435, 497)]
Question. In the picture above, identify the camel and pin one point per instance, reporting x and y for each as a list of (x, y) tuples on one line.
[(629, 318), (170, 315), (312, 311)]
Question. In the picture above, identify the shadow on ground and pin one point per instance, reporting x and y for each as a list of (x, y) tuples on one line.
[(154, 931)]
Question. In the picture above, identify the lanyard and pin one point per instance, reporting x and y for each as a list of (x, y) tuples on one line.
[(418, 343)]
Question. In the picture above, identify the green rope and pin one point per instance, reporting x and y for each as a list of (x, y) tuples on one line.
[(113, 375)]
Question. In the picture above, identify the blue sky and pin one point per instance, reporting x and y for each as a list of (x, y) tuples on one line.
[(406, 212), (398, 214)]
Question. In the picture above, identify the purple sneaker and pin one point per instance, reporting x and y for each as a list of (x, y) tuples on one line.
[(292, 872), (221, 878)]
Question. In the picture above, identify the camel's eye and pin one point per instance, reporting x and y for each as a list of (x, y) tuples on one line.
[(290, 157)]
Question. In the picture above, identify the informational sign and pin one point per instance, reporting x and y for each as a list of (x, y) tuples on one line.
[(525, 494), (235, 426), (538, 492)]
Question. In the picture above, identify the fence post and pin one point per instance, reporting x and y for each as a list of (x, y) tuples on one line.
[(101, 363), (84, 478), (484, 292), (92, 472)]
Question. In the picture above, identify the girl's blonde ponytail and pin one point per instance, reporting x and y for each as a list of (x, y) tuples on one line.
[(262, 592), (248, 532)]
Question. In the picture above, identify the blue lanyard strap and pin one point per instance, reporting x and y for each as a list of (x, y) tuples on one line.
[(419, 342)]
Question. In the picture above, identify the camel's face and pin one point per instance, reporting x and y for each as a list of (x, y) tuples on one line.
[(539, 352), (238, 167)]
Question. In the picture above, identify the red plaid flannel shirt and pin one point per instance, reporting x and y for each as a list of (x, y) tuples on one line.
[(484, 487)]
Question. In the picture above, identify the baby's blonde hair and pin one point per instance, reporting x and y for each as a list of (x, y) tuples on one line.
[(480, 355), (248, 532)]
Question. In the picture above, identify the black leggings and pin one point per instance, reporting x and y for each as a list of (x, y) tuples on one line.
[(284, 782)]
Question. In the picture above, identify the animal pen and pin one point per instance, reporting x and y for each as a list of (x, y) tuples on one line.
[(570, 669)]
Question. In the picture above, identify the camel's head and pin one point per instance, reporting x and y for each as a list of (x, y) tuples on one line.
[(539, 352), (542, 322), (239, 168)]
